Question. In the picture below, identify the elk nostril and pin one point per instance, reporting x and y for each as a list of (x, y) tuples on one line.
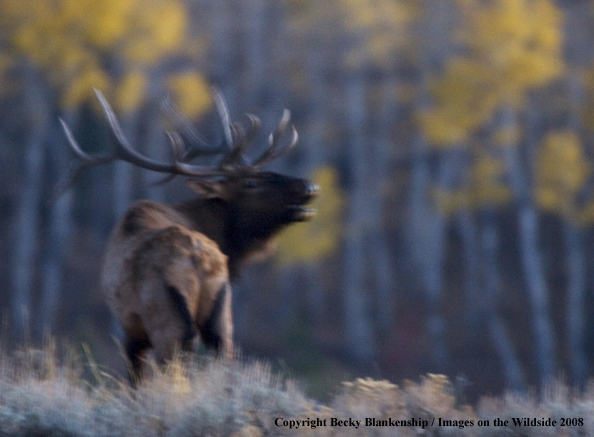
[(312, 189), (305, 191)]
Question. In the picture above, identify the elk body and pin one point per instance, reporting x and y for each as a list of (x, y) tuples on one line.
[(167, 269)]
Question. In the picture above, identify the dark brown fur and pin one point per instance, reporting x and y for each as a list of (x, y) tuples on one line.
[(162, 283)]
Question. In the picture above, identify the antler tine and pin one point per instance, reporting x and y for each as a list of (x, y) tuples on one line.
[(235, 155), (254, 127), (198, 145), (273, 150), (219, 102), (85, 160), (242, 138), (125, 152), (181, 166), (177, 146)]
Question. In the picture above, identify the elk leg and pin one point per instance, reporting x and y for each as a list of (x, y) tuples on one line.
[(135, 350), (173, 330), (217, 331)]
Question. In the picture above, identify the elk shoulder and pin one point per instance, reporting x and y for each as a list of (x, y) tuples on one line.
[(160, 278)]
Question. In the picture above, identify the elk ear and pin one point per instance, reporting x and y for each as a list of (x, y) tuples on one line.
[(206, 189)]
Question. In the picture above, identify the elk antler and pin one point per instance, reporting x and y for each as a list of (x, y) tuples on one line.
[(125, 152), (198, 146), (237, 139), (273, 151)]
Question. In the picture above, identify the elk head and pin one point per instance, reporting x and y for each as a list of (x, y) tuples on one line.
[(239, 205)]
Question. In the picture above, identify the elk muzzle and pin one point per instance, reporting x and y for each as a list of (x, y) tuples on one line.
[(306, 192)]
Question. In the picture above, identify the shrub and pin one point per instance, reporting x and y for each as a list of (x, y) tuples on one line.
[(39, 395)]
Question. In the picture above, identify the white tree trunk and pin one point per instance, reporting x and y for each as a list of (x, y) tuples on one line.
[(476, 306), (27, 216), (576, 263), (380, 157), (530, 254), (60, 230), (576, 302), (358, 320), (512, 368)]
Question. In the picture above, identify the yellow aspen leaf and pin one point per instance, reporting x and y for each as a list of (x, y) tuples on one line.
[(485, 186), (316, 239), (439, 129), (491, 194), (549, 199), (190, 92), (521, 39), (73, 59), (161, 30), (110, 20), (169, 24), (140, 50), (486, 168), (509, 136), (69, 40), (450, 201), (486, 182), (586, 214), (376, 27), (510, 47), (562, 170), (81, 87), (130, 92)]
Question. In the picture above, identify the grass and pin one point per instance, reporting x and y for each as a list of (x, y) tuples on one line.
[(41, 395)]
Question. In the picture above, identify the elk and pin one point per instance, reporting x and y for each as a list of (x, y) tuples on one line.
[(167, 268)]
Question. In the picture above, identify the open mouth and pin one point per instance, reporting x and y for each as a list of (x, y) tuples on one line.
[(301, 213)]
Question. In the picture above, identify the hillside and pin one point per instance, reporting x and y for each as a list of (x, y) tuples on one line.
[(42, 395)]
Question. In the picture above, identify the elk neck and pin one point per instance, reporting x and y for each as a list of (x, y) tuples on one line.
[(238, 237)]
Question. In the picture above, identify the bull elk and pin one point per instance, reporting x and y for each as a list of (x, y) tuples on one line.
[(167, 268)]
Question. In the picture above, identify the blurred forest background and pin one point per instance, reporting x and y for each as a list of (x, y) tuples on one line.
[(453, 141)]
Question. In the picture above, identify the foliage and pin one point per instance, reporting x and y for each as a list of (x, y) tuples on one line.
[(586, 111), (131, 91), (377, 26), (109, 45), (191, 92), (485, 187), (509, 47), (42, 396), (562, 171), (462, 102), (316, 239), (363, 33), (520, 41)]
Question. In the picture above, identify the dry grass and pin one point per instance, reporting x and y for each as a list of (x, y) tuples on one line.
[(40, 395)]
